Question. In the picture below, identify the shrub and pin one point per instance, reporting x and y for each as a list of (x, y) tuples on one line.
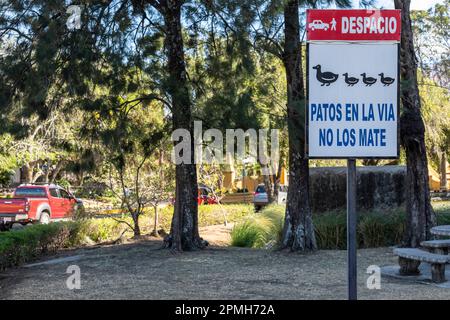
[(258, 230), (378, 230), (20, 246), (442, 207), (375, 229), (275, 214), (99, 230), (248, 234), (330, 230)]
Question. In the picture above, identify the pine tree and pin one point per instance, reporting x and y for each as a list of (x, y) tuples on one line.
[(298, 232), (112, 39), (420, 215)]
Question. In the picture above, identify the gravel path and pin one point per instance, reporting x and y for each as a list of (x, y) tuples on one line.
[(142, 271)]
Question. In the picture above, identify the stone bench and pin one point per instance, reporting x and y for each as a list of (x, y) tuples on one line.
[(410, 259), (437, 246)]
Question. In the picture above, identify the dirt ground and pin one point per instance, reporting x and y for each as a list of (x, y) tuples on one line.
[(142, 271)]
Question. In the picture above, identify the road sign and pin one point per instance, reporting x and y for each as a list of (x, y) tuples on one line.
[(353, 25), (353, 96), (353, 83)]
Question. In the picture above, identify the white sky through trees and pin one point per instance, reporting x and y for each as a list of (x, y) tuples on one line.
[(415, 4)]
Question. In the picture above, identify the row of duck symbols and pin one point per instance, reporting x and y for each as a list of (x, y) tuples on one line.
[(327, 78)]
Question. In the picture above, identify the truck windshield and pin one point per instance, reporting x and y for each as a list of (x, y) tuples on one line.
[(30, 192)]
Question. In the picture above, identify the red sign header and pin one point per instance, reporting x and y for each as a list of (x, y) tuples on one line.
[(353, 25)]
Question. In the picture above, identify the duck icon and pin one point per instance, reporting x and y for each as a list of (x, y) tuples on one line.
[(386, 80), (326, 78), (351, 81), (368, 80)]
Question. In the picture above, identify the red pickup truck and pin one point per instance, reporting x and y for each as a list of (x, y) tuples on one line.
[(37, 203)]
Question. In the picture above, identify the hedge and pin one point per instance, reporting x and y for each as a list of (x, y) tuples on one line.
[(375, 229), (20, 246)]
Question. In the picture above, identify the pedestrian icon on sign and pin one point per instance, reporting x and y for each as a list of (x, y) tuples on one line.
[(333, 24)]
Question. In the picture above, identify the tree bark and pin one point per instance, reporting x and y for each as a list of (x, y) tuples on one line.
[(136, 228), (155, 226), (268, 185), (47, 171), (420, 215), (184, 233), (298, 232), (276, 180), (443, 170), (26, 174), (58, 168)]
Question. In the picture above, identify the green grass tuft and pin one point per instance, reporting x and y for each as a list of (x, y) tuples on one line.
[(259, 229)]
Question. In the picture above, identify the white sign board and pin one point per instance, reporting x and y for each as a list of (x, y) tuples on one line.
[(352, 100)]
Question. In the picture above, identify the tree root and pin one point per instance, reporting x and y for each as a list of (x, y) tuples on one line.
[(198, 243)]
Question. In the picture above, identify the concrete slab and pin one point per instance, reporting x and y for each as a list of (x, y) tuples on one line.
[(424, 277)]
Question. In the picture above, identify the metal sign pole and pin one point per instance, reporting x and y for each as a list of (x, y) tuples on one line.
[(351, 229)]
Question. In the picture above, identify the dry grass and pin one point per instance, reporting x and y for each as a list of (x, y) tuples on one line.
[(142, 271)]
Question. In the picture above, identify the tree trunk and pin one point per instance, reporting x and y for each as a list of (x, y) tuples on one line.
[(47, 171), (276, 181), (443, 170), (58, 168), (155, 226), (184, 233), (26, 174), (80, 178), (268, 185), (298, 232), (420, 215), (136, 228)]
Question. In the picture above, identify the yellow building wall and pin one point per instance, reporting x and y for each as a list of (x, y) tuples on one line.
[(448, 177), (249, 183), (228, 180), (284, 176), (231, 183), (434, 179)]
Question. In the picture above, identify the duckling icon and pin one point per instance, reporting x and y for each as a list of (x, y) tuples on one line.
[(326, 78), (387, 81), (351, 81), (368, 80)]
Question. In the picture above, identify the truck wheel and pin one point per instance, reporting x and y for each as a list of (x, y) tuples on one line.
[(44, 218), (16, 226)]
